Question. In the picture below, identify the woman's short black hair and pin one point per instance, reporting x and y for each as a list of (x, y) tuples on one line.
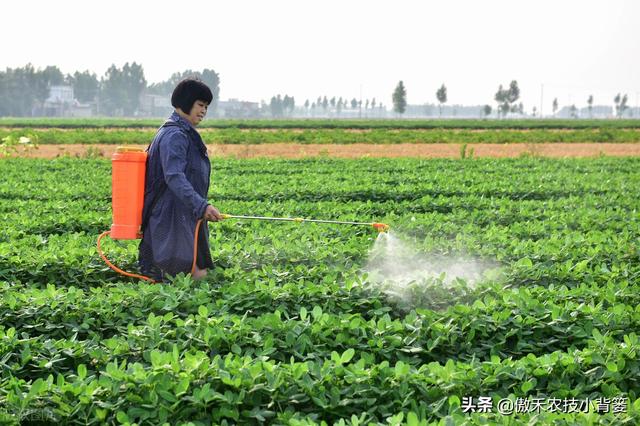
[(187, 92)]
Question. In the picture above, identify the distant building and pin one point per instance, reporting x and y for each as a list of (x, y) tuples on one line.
[(59, 102), (60, 94), (234, 108), (62, 103), (597, 111), (81, 110), (155, 105)]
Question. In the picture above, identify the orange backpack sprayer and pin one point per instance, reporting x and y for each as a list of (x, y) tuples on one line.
[(128, 167)]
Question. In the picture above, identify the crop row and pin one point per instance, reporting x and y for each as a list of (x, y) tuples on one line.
[(172, 385), (507, 327), (35, 122), (235, 136)]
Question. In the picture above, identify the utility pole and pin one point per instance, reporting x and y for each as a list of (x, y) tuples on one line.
[(541, 98)]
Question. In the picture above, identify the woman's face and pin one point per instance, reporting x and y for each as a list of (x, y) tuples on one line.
[(198, 111)]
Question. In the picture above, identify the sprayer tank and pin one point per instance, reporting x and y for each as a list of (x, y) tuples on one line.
[(127, 196)]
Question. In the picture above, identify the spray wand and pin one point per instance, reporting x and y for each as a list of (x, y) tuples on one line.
[(380, 227)]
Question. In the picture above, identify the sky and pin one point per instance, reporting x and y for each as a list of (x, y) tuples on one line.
[(563, 49)]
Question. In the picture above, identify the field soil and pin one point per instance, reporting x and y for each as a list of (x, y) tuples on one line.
[(288, 150)]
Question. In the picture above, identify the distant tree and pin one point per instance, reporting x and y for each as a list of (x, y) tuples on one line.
[(19, 89), (535, 111), (366, 104), (23, 88), (121, 89), (44, 79), (287, 104), (513, 95), (373, 103), (325, 103), (306, 104), (277, 106), (339, 106), (555, 106), (501, 98), (621, 104), (134, 83), (573, 111), (506, 98), (52, 75), (85, 85), (590, 105), (112, 91), (487, 110), (399, 98), (521, 108), (333, 102), (441, 95)]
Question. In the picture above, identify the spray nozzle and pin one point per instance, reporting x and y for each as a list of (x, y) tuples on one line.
[(380, 227)]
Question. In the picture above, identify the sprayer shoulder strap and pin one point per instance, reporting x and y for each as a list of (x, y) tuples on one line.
[(160, 193)]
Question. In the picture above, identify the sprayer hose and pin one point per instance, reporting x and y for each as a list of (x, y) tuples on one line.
[(142, 277)]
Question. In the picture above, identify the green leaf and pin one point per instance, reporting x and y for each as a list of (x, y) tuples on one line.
[(101, 413), (156, 358), (581, 266), (597, 336), (203, 311), (167, 396), (454, 401), (122, 417), (525, 262), (527, 386), (412, 419), (347, 355), (36, 388), (317, 312), (82, 371), (612, 366), (182, 386), (402, 369), (303, 313)]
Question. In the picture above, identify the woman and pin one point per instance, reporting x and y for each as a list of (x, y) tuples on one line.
[(176, 186)]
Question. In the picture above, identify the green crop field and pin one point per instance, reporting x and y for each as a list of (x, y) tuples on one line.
[(210, 135), (141, 131), (327, 123), (291, 328)]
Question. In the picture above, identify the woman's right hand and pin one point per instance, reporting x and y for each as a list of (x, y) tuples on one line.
[(212, 214)]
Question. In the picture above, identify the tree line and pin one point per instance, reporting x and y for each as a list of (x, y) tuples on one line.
[(116, 93), (280, 107), (505, 99)]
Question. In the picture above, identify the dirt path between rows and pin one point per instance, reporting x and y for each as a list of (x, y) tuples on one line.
[(287, 150)]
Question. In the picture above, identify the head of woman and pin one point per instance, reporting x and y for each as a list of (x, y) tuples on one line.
[(191, 99)]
